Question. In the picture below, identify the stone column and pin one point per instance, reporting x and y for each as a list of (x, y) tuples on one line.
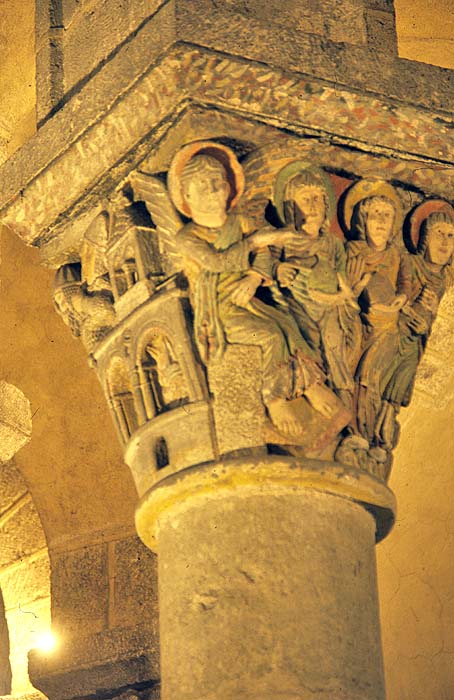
[(267, 580)]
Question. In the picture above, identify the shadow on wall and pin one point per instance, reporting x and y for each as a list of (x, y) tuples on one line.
[(5, 667)]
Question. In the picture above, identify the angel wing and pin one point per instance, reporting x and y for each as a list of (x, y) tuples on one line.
[(152, 191)]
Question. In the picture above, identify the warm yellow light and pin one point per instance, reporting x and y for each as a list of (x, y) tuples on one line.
[(46, 642)]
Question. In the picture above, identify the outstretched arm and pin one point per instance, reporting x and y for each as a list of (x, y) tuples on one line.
[(234, 258)]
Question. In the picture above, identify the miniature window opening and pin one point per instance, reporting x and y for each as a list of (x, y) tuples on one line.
[(130, 270), (121, 281), (161, 453)]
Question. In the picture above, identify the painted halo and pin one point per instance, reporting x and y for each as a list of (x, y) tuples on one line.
[(421, 213), (370, 188), (288, 173), (223, 154)]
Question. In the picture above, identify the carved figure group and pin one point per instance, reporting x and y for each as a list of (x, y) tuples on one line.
[(225, 263), (337, 324)]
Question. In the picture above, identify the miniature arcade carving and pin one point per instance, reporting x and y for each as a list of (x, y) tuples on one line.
[(336, 325)]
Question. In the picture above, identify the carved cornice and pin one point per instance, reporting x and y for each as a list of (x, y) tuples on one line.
[(96, 159)]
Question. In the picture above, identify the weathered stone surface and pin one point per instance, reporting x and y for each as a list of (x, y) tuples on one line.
[(17, 121), (94, 31), (238, 409), (435, 371), (287, 582), (15, 421), (21, 533), (12, 485), (345, 65), (319, 18), (381, 30), (26, 583), (5, 667), (135, 585), (80, 591), (104, 663)]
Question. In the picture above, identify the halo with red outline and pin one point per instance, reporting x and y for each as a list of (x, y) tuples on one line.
[(421, 213), (223, 154)]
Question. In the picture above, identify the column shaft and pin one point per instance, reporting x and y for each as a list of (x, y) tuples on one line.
[(269, 596)]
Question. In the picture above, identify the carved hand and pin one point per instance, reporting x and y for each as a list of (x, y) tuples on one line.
[(246, 289), (286, 273), (429, 300), (356, 275), (344, 295), (395, 306), (418, 324), (355, 270)]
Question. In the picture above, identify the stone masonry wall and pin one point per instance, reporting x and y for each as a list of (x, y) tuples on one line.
[(75, 36)]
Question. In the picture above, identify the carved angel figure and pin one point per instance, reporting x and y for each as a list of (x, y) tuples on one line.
[(225, 262), (379, 270), (311, 272), (82, 292), (432, 235)]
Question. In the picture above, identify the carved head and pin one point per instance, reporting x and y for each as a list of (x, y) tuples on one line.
[(306, 203), (436, 238), (206, 189), (205, 180), (372, 212), (373, 221)]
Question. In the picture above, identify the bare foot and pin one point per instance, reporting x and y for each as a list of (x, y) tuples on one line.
[(321, 398), (283, 417)]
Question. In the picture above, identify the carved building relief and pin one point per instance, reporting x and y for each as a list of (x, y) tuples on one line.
[(310, 291)]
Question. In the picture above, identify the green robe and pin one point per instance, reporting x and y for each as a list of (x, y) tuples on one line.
[(216, 259)]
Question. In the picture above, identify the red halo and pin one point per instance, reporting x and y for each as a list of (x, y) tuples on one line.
[(421, 213), (223, 154)]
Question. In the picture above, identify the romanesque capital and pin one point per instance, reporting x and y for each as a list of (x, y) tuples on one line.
[(272, 306)]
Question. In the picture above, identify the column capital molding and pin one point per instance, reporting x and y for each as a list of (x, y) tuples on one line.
[(51, 186)]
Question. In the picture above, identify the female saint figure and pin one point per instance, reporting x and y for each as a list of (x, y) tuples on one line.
[(379, 269), (311, 272), (432, 237)]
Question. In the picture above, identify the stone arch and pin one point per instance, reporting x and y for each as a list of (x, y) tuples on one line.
[(160, 367), (5, 666), (24, 581), (121, 397)]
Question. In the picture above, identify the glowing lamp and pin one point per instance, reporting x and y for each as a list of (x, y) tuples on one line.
[(46, 642)]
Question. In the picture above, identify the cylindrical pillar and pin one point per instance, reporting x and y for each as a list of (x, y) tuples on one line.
[(267, 582)]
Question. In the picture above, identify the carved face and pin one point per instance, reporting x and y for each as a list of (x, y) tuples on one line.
[(92, 259), (440, 243), (206, 192), (379, 223), (310, 200)]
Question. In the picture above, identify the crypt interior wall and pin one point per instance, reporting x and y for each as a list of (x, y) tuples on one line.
[(73, 467)]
